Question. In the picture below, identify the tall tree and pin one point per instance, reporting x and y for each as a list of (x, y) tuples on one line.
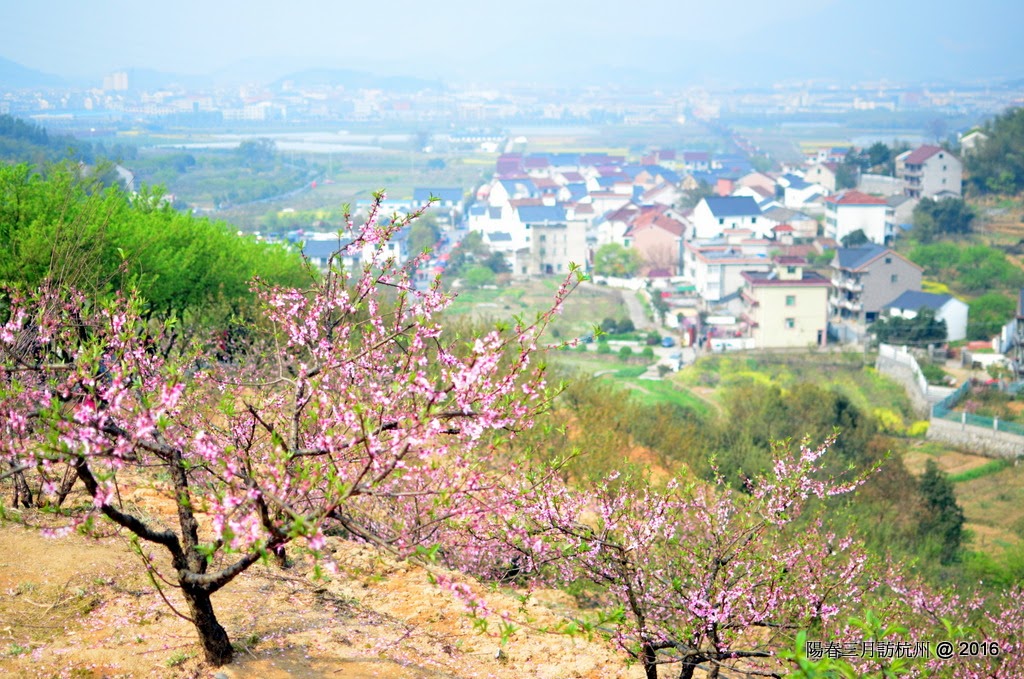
[(943, 520)]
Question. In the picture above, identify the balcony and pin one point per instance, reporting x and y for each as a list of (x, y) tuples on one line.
[(847, 284)]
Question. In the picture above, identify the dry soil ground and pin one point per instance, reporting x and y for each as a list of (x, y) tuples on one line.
[(83, 607)]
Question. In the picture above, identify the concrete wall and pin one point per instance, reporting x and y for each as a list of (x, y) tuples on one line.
[(981, 440), (907, 378)]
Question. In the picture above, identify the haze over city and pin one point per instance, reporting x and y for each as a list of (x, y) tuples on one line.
[(673, 43)]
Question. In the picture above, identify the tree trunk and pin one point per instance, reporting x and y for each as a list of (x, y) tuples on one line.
[(22, 492), (687, 669), (216, 645), (649, 658)]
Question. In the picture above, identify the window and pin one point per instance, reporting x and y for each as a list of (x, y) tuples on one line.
[(893, 278), (790, 300), (753, 220), (888, 260), (721, 220), (790, 323), (790, 269)]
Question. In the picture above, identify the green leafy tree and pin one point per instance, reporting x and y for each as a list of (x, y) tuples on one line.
[(855, 238), (923, 328), (72, 230), (613, 259), (497, 263), (694, 196), (257, 152), (477, 276), (946, 217), (997, 165), (943, 519), (988, 314), (423, 234)]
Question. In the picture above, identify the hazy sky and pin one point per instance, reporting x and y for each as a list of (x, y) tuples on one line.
[(600, 41)]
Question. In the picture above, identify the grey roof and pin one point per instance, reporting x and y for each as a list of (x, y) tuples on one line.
[(897, 199), (733, 206), (321, 249), (784, 214), (514, 186), (577, 190), (537, 214), (855, 258), (912, 299), (795, 182)]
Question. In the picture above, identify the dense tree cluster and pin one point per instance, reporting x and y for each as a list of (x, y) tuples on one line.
[(972, 269), (74, 231), (997, 164), (945, 217)]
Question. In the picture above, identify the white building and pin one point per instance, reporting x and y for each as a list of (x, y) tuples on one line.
[(852, 210), (712, 216), (946, 307)]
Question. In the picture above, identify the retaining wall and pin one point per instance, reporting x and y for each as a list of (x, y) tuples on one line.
[(981, 440)]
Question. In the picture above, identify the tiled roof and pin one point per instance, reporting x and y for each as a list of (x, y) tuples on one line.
[(853, 197), (921, 154), (912, 299), (534, 214), (733, 206)]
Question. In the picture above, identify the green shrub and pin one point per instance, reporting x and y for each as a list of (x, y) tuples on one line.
[(933, 373), (626, 353)]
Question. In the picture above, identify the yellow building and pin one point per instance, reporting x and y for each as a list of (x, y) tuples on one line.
[(786, 307)]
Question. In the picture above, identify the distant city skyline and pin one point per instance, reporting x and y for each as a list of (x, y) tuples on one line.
[(743, 42)]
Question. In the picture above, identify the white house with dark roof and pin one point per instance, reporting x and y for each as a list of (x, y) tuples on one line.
[(946, 307), (713, 215), (798, 192), (929, 171)]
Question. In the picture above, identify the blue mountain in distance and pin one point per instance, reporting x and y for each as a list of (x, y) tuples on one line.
[(17, 77)]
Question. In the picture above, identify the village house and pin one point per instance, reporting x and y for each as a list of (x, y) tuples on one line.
[(803, 225), (970, 142), (946, 307), (930, 171), (786, 307), (823, 174), (658, 238), (850, 211), (714, 215), (716, 268), (868, 277)]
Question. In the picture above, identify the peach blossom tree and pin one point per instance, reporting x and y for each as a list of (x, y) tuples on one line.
[(350, 410)]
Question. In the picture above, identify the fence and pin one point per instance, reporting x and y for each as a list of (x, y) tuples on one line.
[(944, 410), (985, 435), (901, 355), (944, 407)]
